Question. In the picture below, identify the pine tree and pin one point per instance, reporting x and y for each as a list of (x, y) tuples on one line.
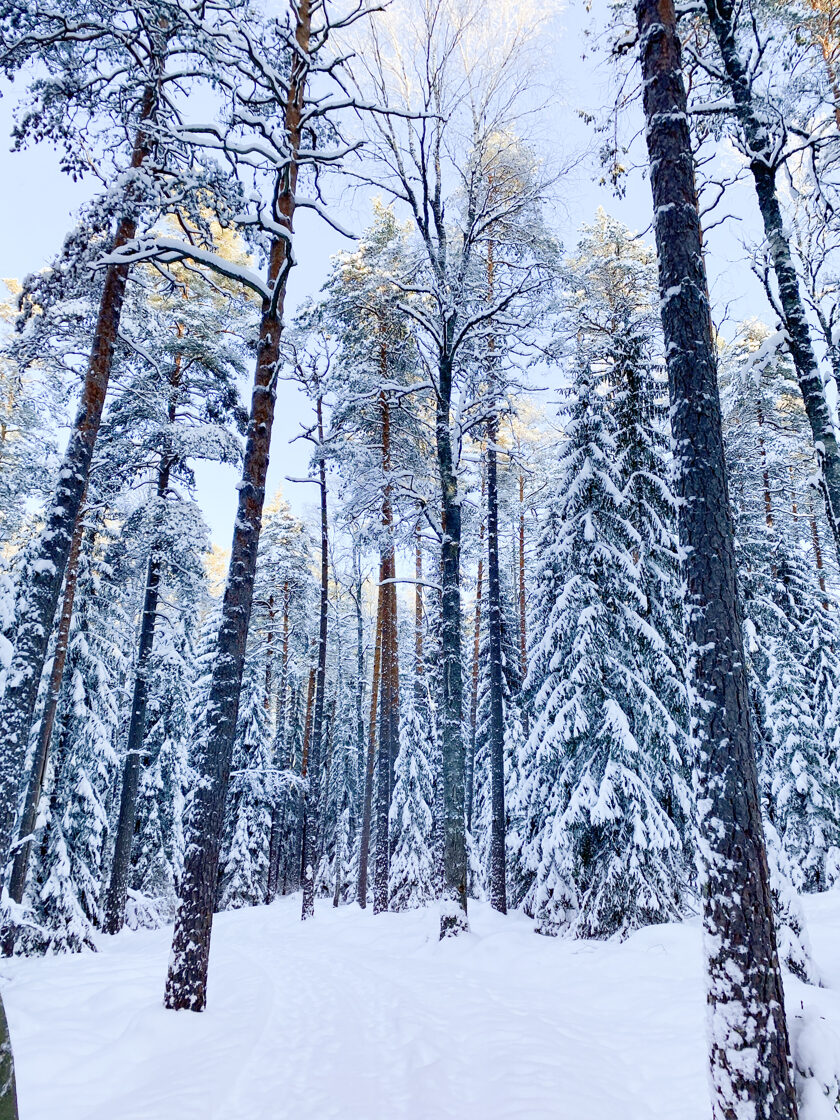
[(412, 871), (511, 684), (252, 794), (158, 850), (749, 1052)]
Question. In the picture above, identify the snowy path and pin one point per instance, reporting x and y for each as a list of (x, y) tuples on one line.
[(356, 1018)]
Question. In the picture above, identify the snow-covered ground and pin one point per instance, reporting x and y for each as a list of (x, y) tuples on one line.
[(352, 1017)]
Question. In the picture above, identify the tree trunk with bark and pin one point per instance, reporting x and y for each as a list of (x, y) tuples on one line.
[(760, 148), (313, 773), (818, 557), (749, 1053), (361, 742), (8, 1090), (186, 985), (453, 919), (498, 874), (279, 810), (479, 591), (389, 704), (419, 666), (46, 570), (367, 811)]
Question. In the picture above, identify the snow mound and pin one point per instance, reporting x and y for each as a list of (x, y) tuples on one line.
[(352, 1017)]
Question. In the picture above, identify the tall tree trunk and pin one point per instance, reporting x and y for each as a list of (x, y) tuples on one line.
[(361, 743), (45, 573), (367, 811), (419, 666), (20, 865), (498, 875), (453, 918), (723, 21), (313, 774), (186, 985), (765, 470), (389, 712), (470, 791), (523, 622), (307, 721), (818, 557), (290, 862), (120, 868), (278, 811), (523, 617), (8, 1091), (749, 1054)]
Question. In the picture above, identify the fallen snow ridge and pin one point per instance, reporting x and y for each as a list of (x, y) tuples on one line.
[(352, 1017)]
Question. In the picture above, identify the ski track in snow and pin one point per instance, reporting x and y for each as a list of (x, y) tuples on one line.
[(351, 1017)]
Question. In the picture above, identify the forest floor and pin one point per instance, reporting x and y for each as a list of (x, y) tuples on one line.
[(352, 1017)]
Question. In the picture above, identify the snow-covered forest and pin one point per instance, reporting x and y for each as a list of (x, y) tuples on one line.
[(542, 638)]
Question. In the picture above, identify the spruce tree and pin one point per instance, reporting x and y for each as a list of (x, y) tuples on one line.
[(412, 871)]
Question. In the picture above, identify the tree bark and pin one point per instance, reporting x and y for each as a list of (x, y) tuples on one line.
[(361, 743), (307, 722), (389, 682), (749, 1053), (453, 919), (523, 624), (269, 655), (367, 812), (765, 470), (759, 145), (20, 864), (818, 557), (523, 617), (498, 874), (278, 811), (186, 985), (46, 571), (313, 773), (8, 1090), (419, 666)]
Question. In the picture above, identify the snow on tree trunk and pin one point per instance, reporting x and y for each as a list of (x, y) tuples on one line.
[(389, 701), (186, 984), (453, 918), (498, 874), (749, 1052), (187, 980)]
